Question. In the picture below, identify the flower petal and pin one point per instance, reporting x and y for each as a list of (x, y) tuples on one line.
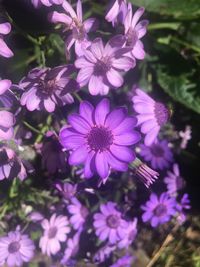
[(78, 156), (101, 111)]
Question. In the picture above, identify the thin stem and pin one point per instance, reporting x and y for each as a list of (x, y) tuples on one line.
[(31, 127), (78, 97), (164, 25), (190, 46)]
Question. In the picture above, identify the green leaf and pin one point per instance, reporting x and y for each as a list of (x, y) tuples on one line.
[(184, 9), (180, 88)]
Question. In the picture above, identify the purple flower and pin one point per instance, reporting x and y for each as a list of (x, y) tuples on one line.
[(152, 115), (48, 3), (183, 205), (78, 213), (5, 51), (11, 165), (159, 154), (74, 22), (117, 11), (7, 121), (174, 181), (125, 261), (45, 88), (15, 248), (103, 253), (53, 158), (71, 248), (129, 236), (134, 31), (100, 138), (35, 216), (55, 231), (101, 66), (158, 210), (109, 223), (67, 190)]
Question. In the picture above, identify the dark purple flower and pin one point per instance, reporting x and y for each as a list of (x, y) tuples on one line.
[(74, 22), (152, 115), (159, 154), (100, 138), (15, 249), (45, 88), (129, 236), (11, 165), (174, 181), (158, 210), (101, 66), (109, 223), (134, 31), (5, 51), (125, 261), (55, 231), (117, 11), (78, 213), (66, 189), (48, 3)]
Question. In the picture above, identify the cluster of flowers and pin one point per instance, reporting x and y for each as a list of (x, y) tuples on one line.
[(98, 138)]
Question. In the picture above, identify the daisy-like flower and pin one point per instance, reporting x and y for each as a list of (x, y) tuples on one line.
[(78, 213), (55, 231), (100, 138), (109, 223), (159, 210), (152, 115), (45, 88), (66, 189), (129, 236), (117, 11), (134, 31), (5, 51), (125, 261), (103, 253), (158, 154), (174, 181), (16, 249), (74, 22), (48, 3), (101, 66)]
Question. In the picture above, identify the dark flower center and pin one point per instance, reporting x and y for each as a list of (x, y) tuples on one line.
[(132, 37), (161, 113), (157, 150), (99, 138), (113, 221), (160, 210), (47, 87), (102, 66), (52, 232), (13, 247)]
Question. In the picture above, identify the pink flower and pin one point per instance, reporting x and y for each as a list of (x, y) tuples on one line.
[(5, 51)]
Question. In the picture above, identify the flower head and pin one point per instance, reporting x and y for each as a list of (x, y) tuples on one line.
[(159, 154), (67, 190), (15, 249), (78, 213), (134, 31), (129, 236), (55, 231), (100, 66), (73, 21), (100, 138), (109, 223), (158, 210), (174, 181), (45, 88), (152, 115), (5, 51)]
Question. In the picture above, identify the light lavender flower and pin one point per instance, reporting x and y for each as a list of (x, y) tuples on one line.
[(78, 213), (74, 22), (45, 88), (117, 12), (152, 115), (5, 51), (185, 136), (101, 66), (48, 3), (183, 205), (109, 223), (66, 189), (16, 249), (129, 236), (55, 231)]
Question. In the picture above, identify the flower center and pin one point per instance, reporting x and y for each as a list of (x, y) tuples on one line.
[(160, 210), (132, 37), (47, 87), (99, 138), (52, 232), (102, 66), (113, 221), (161, 113), (157, 151), (13, 247)]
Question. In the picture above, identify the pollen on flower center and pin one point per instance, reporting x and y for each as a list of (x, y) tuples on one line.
[(102, 66), (47, 87), (160, 210), (113, 221), (13, 247), (99, 138), (161, 113), (157, 150), (52, 232)]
